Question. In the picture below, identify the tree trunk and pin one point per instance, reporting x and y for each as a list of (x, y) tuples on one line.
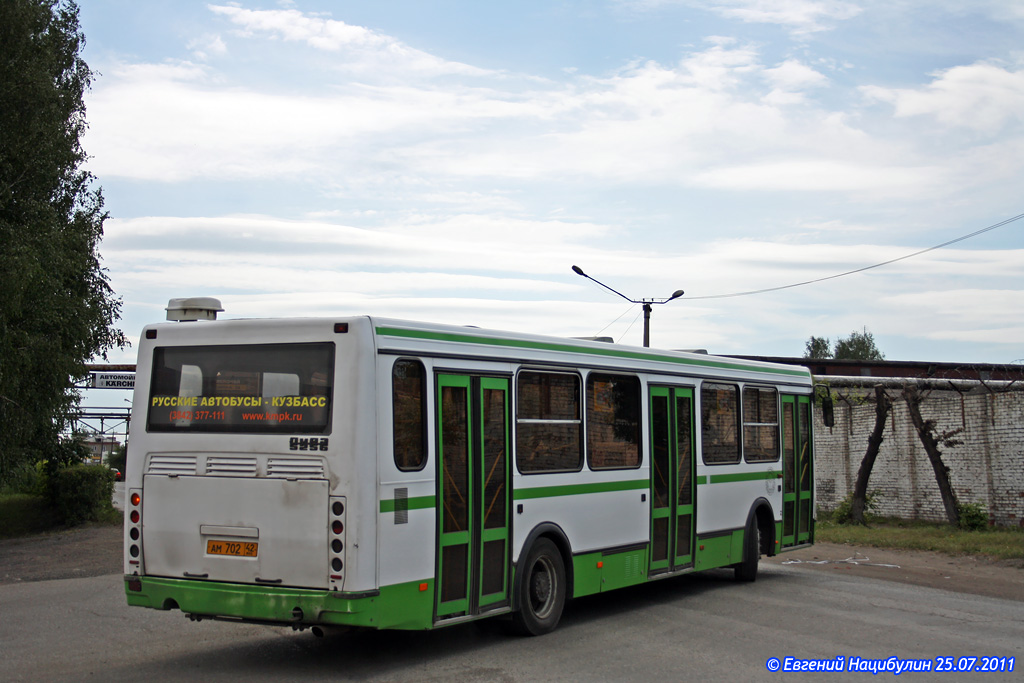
[(860, 489), (925, 431)]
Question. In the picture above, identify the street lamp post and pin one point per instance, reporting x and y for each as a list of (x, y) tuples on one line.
[(646, 303)]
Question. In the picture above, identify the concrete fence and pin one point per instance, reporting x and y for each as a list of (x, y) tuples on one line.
[(986, 467)]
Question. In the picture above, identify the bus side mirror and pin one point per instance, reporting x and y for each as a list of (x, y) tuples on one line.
[(827, 409)]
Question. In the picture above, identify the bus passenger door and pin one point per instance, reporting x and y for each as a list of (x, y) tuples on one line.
[(797, 471), (672, 478), (472, 490)]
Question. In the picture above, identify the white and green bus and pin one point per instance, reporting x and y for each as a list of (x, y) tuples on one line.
[(368, 472)]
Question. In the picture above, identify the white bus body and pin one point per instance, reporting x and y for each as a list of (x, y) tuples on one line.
[(388, 474)]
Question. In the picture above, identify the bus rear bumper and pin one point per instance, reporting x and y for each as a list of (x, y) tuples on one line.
[(403, 606)]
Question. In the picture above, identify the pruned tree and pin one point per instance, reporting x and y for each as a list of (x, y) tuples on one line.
[(915, 392), (930, 440), (860, 490), (57, 309)]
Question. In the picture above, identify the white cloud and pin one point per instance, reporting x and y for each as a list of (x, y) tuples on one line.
[(474, 252), (983, 97), (491, 244), (789, 79), (173, 121), (705, 123), (488, 270), (206, 46), (821, 175), (719, 118), (799, 16), (969, 314), (373, 50), (435, 189)]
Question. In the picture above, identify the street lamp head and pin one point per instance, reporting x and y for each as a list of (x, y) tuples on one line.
[(645, 302)]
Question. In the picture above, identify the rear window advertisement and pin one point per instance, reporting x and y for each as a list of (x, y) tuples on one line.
[(253, 388)]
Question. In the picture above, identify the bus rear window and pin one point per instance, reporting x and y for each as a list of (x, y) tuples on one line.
[(253, 388)]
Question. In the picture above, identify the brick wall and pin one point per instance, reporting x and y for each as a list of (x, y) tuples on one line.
[(987, 468)]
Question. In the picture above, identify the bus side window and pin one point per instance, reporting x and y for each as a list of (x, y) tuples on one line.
[(409, 407), (720, 421), (549, 427), (760, 424), (613, 421)]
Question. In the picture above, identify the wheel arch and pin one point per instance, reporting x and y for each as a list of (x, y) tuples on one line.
[(761, 513), (556, 535)]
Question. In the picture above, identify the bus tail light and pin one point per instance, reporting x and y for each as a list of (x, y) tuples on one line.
[(134, 544), (336, 543)]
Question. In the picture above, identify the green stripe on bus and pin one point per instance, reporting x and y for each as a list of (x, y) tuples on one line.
[(419, 503), (745, 476), (569, 348), (579, 489)]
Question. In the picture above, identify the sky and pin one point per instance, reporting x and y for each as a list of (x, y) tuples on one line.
[(451, 161)]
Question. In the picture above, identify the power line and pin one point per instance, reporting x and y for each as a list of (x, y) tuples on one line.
[(626, 331), (859, 270), (615, 321)]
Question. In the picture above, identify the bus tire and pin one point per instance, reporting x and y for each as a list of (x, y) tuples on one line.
[(747, 569), (541, 589)]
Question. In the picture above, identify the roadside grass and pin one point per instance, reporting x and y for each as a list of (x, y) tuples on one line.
[(998, 542), (23, 514)]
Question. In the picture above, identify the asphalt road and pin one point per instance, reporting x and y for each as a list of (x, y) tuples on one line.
[(702, 627)]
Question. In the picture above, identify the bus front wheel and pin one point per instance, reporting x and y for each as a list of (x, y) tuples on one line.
[(542, 589)]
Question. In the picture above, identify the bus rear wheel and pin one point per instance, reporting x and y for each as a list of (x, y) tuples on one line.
[(747, 569), (542, 589)]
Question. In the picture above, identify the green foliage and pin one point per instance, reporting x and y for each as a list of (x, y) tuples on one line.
[(42, 480), (83, 493), (22, 514), (56, 306), (66, 453), (118, 458), (23, 479), (857, 346), (818, 347), (842, 512), (973, 516)]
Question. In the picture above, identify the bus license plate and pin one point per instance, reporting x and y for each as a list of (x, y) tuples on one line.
[(232, 548)]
